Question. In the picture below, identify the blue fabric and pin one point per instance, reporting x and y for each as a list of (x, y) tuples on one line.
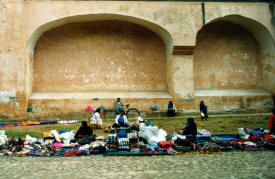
[(120, 120), (63, 131), (122, 133), (257, 131)]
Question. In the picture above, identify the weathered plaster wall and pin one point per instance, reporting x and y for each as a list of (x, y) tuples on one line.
[(99, 56), (226, 57), (12, 61), (177, 23), (257, 19), (236, 103)]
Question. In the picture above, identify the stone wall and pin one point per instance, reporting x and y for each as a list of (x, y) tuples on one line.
[(22, 23), (226, 57), (99, 56)]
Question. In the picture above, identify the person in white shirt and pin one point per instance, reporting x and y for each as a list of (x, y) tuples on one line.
[(121, 120), (96, 120)]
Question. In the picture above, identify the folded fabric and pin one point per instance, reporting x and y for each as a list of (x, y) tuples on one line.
[(57, 144)]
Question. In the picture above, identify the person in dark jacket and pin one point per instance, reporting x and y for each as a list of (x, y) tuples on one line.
[(83, 131), (171, 109), (190, 128), (203, 111)]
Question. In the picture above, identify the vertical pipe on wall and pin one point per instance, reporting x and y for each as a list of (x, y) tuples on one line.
[(203, 13)]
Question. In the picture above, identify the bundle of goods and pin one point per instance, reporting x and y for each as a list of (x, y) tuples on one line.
[(203, 135), (112, 143), (123, 144), (133, 141)]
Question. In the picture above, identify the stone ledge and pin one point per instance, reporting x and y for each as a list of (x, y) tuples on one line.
[(248, 92), (100, 95)]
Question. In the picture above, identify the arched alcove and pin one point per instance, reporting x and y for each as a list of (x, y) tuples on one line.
[(95, 58), (226, 56), (234, 64), (99, 56)]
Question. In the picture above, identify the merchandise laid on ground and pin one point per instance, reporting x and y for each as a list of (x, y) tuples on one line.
[(138, 139)]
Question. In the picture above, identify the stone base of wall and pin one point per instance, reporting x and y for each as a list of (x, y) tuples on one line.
[(236, 101), (52, 105)]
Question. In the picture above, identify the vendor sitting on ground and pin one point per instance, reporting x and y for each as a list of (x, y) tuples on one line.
[(84, 134), (271, 123), (190, 129), (121, 120), (96, 120)]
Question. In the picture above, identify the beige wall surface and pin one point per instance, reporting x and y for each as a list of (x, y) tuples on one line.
[(176, 23), (99, 56), (226, 57)]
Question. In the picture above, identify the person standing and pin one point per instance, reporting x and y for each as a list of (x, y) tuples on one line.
[(118, 106), (203, 111), (171, 109), (271, 123)]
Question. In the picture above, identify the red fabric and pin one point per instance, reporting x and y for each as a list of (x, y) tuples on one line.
[(271, 121), (268, 137), (73, 152), (164, 144)]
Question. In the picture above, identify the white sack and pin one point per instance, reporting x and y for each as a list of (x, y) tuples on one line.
[(30, 139), (55, 134), (67, 137)]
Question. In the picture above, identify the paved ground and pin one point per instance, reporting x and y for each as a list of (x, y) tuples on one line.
[(225, 165)]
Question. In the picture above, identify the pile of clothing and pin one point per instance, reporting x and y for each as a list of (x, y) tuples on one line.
[(55, 144), (143, 138)]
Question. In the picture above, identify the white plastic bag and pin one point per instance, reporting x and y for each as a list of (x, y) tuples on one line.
[(161, 135), (203, 132), (2, 132), (55, 134), (67, 137), (3, 139), (30, 139), (242, 133), (152, 134)]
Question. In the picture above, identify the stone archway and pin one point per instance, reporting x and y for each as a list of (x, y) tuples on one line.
[(130, 57), (233, 63), (99, 56)]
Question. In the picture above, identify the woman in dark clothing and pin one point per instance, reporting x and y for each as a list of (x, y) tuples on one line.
[(190, 129), (203, 111), (83, 131), (171, 109)]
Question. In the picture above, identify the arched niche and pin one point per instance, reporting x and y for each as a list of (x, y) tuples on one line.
[(234, 53), (148, 45)]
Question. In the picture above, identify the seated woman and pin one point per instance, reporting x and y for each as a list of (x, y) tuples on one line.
[(121, 120), (84, 135), (190, 129), (96, 120), (171, 109)]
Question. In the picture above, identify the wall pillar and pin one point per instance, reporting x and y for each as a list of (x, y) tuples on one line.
[(182, 77)]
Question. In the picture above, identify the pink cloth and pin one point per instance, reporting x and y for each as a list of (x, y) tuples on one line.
[(57, 144), (89, 109)]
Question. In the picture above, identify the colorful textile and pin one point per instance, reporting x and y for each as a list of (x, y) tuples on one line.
[(27, 123)]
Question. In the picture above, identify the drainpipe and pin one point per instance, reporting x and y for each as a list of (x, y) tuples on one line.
[(203, 13)]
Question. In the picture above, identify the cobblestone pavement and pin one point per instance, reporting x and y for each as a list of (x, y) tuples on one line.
[(225, 165)]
